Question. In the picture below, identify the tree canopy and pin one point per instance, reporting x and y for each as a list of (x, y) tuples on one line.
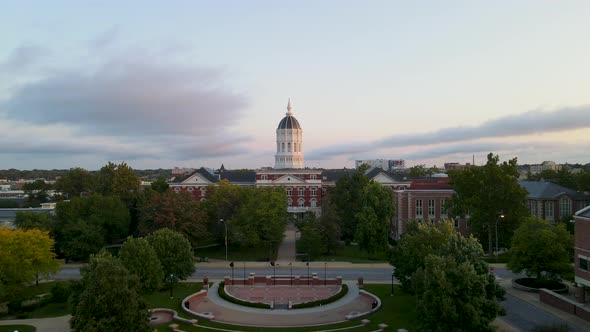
[(484, 193), (108, 298), (27, 254), (541, 250), (76, 181), (140, 259), (120, 180), (174, 253), (30, 220)]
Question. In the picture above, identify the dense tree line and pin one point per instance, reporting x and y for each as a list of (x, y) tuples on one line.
[(53, 174), (579, 181)]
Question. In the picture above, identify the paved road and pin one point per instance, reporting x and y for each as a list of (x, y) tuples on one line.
[(287, 248), (525, 316), (370, 274)]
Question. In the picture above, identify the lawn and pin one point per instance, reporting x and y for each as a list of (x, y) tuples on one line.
[(19, 328), (181, 290), (398, 311), (352, 253), (235, 253), (32, 290)]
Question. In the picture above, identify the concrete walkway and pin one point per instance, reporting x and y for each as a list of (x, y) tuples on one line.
[(55, 324), (287, 249)]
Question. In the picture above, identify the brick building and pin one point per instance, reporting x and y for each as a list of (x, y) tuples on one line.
[(551, 201), (582, 251)]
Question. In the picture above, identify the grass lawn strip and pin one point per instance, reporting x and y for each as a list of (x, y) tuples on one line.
[(19, 328)]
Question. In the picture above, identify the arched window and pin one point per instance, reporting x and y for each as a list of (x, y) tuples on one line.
[(282, 147), (289, 202), (300, 191), (289, 192), (565, 207), (300, 202), (314, 202), (203, 191), (288, 147)]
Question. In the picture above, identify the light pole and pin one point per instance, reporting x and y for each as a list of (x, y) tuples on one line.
[(291, 265), (307, 263), (244, 264), (325, 272), (497, 219), (232, 272), (171, 284), (274, 273), (392, 283), (225, 224)]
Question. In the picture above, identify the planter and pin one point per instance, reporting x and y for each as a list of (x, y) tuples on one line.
[(533, 285)]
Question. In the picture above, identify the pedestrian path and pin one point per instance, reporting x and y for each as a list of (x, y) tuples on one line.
[(55, 324), (287, 248)]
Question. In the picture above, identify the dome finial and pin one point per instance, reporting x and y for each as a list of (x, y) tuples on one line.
[(289, 108)]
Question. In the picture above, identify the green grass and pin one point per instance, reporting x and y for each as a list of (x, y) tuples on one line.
[(353, 254), (235, 254), (19, 328), (398, 311), (28, 292), (51, 310)]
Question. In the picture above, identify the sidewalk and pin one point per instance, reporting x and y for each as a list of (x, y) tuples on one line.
[(55, 324)]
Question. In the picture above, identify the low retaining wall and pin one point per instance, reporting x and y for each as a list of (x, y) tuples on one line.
[(516, 285), (360, 315), (175, 316), (199, 294), (564, 303), (283, 280)]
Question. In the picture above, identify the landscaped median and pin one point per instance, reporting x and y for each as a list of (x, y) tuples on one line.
[(343, 291), (229, 298)]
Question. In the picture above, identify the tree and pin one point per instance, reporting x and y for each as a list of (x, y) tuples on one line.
[(419, 240), (329, 226), (223, 202), (347, 197), (174, 253), (75, 182), (83, 225), (108, 298), (36, 193), (452, 296), (27, 254), (484, 193), (311, 240), (420, 171), (583, 181), (542, 250), (30, 220), (176, 211), (139, 258), (160, 185), (118, 180), (374, 219)]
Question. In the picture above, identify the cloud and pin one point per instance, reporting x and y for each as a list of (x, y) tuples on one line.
[(533, 122), (21, 58)]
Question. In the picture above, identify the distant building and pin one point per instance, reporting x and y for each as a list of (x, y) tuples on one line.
[(451, 166), (544, 166), (385, 164), (181, 171), (289, 142), (551, 201), (582, 253)]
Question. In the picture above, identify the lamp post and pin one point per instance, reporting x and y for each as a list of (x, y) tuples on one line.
[(325, 272), (497, 219), (274, 273), (171, 284), (291, 265), (225, 224), (232, 272), (244, 264), (392, 283), (307, 263)]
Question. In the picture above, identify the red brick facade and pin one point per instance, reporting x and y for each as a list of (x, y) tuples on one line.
[(582, 246)]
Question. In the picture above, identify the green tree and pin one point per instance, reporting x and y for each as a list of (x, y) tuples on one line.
[(486, 192), (108, 298), (85, 224), (311, 240), (27, 254), (348, 200), (582, 180), (174, 253), (223, 202), (176, 211), (329, 226), (374, 219), (418, 241), (139, 258), (542, 250), (29, 220), (160, 185), (420, 171), (118, 180), (452, 296), (75, 182), (36, 193)]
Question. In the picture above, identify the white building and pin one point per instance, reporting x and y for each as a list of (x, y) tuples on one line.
[(289, 142), (384, 164)]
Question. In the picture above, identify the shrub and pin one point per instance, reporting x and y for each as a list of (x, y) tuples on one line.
[(229, 298), (333, 298), (60, 292)]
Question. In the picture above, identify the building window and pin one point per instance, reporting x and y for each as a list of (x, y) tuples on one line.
[(549, 210), (300, 202), (431, 207), (583, 263), (443, 208), (314, 202), (419, 209), (533, 208), (300, 191), (288, 147), (313, 191), (457, 222), (203, 199), (289, 202), (264, 177), (565, 207), (289, 191), (313, 177), (294, 147), (282, 147), (189, 188), (203, 191)]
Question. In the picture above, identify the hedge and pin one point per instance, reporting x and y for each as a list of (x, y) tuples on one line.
[(229, 298), (317, 303)]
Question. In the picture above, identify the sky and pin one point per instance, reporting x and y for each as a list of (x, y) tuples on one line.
[(160, 84)]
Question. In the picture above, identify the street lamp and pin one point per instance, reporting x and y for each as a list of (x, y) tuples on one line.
[(244, 264), (325, 272), (232, 272), (225, 224), (392, 282), (171, 284), (291, 265), (274, 273), (307, 263), (501, 216)]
